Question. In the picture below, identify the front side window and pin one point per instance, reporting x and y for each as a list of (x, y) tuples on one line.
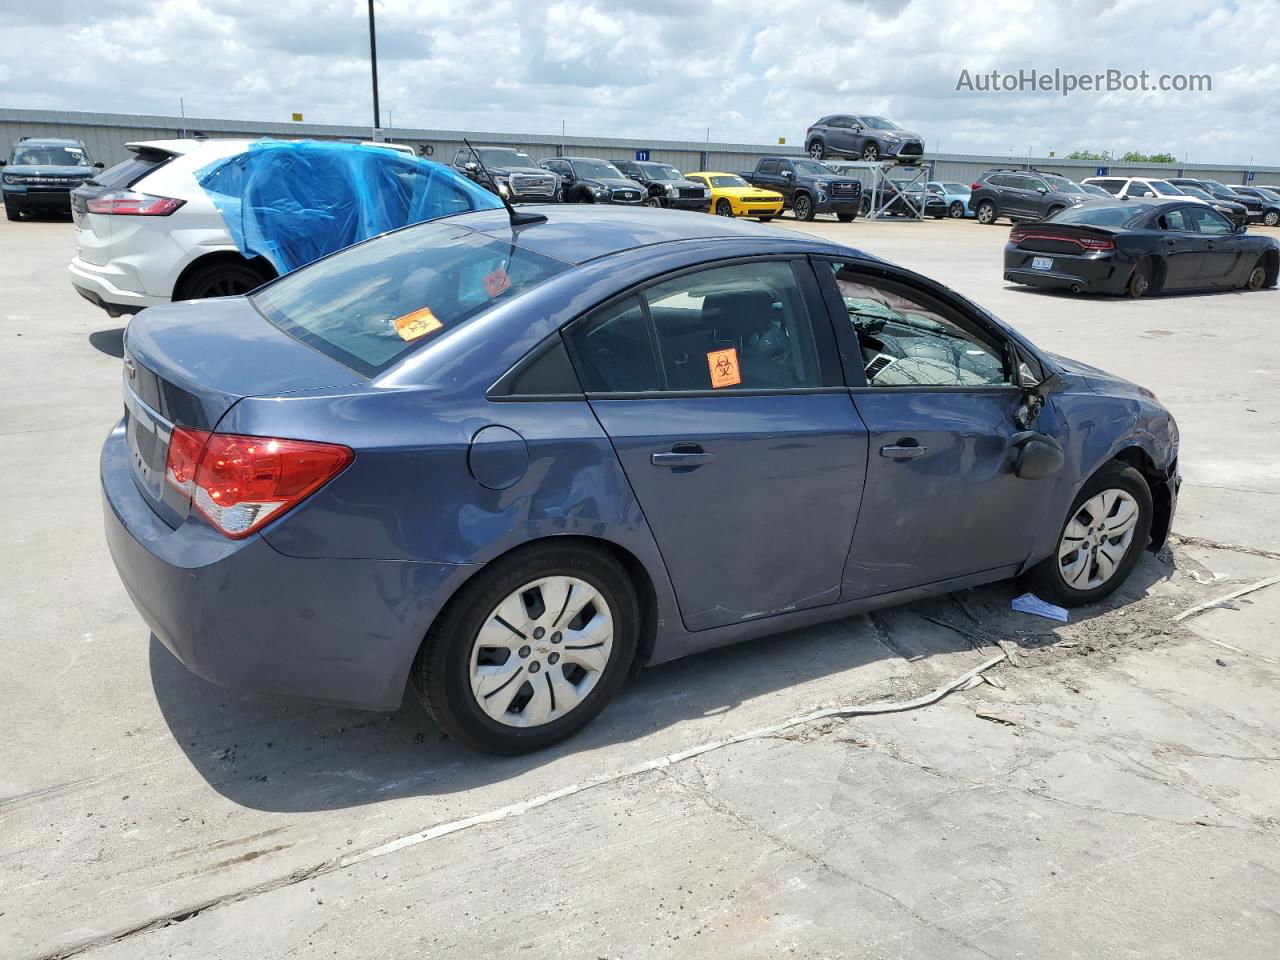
[(369, 305), (726, 329), (1210, 221), (907, 341)]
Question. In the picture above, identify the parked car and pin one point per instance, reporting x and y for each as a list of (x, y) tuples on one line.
[(161, 226), (731, 196), (1270, 203), (954, 196), (1220, 191), (862, 137), (1234, 211), (588, 180), (1135, 186), (808, 188), (1022, 195), (602, 406), (666, 186), (518, 176), (1139, 246), (40, 174)]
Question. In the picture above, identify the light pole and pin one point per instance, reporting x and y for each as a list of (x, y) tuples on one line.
[(373, 60)]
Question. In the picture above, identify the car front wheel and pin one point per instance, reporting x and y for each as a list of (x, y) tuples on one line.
[(652, 202), (724, 208), (1106, 530), (986, 212), (871, 152), (802, 207), (531, 650), (956, 210), (817, 150)]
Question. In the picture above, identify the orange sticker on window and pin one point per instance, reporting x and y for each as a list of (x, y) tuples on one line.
[(496, 282), (724, 368), (417, 324)]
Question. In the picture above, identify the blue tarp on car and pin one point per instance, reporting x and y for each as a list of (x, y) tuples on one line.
[(295, 202)]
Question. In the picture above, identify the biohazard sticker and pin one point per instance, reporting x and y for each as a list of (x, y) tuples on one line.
[(496, 282), (724, 368), (417, 324)]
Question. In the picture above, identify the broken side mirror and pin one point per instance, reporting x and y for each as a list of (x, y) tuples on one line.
[(1034, 393), (1039, 455)]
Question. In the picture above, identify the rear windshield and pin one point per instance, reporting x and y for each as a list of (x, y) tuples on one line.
[(128, 172), (1100, 215), (369, 305)]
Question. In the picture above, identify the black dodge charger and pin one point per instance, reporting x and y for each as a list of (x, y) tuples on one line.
[(1137, 247)]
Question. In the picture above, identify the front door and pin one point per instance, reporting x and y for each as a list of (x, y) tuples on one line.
[(935, 390), (723, 400), (1184, 248), (1220, 265)]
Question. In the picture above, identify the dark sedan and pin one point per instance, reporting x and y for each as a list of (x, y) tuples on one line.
[(1137, 247)]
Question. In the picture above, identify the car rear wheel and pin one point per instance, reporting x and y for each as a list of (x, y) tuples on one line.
[(1106, 530), (986, 212), (871, 152), (956, 210), (531, 650), (1139, 283), (802, 207), (225, 279), (724, 208), (1271, 218), (1257, 276), (818, 150), (845, 217)]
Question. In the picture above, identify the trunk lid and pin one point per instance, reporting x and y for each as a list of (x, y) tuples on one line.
[(186, 364), (1062, 238)]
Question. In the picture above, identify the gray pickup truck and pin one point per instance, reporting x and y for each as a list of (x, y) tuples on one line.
[(808, 187)]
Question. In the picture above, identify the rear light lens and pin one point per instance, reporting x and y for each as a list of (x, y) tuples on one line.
[(1016, 235), (975, 185), (128, 203), (239, 483), (1093, 243)]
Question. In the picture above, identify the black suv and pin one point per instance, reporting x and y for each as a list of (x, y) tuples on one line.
[(666, 186), (862, 137), (1220, 191), (41, 173), (1022, 195), (1270, 203), (591, 180), (518, 176)]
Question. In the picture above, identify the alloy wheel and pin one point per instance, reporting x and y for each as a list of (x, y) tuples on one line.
[(816, 150), (871, 152), (724, 208), (1097, 539), (801, 208), (1271, 219), (986, 212), (956, 209), (541, 651)]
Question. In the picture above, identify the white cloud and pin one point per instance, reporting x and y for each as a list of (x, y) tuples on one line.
[(751, 70)]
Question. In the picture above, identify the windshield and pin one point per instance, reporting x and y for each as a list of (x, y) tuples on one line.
[(658, 171), (370, 304), (1219, 188), (1164, 188), (1194, 191), (596, 168), (1099, 215), (728, 181), (507, 158), (1094, 190), (879, 123), (1268, 193), (1063, 185), (47, 156), (811, 168)]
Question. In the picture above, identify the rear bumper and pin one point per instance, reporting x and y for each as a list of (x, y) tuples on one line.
[(242, 615), (1087, 274), (107, 288)]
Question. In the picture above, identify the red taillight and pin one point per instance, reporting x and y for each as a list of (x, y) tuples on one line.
[(127, 203), (975, 185), (1093, 243), (239, 483), (1017, 235)]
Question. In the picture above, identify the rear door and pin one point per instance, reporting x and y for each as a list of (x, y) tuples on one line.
[(840, 136), (932, 383), (720, 390), (769, 175)]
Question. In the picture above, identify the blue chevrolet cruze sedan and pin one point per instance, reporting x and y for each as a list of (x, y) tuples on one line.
[(503, 463)]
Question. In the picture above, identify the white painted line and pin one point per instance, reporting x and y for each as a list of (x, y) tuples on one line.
[(1210, 604)]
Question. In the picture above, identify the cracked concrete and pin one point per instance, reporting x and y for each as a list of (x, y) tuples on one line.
[(1128, 806)]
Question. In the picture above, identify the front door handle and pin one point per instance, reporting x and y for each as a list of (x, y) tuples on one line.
[(682, 455), (905, 449)]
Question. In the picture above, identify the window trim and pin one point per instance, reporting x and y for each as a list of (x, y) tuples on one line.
[(825, 340)]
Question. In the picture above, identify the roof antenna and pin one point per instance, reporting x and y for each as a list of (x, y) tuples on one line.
[(517, 219)]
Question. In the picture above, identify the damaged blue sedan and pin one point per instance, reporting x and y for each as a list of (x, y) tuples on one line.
[(501, 459)]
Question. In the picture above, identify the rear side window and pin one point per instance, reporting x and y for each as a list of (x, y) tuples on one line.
[(128, 172), (369, 305)]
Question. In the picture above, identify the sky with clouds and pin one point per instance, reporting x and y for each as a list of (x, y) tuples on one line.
[(749, 70)]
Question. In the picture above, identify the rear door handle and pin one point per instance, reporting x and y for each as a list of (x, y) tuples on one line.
[(682, 455), (903, 451)]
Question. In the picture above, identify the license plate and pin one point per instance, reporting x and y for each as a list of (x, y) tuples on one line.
[(1042, 263)]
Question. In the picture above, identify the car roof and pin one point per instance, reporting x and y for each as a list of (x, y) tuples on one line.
[(50, 142), (577, 233)]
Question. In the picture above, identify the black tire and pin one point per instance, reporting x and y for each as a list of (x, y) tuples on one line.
[(12, 212), (845, 217), (956, 210), (1271, 218), (652, 202), (1046, 579), (764, 219), (441, 671), (1052, 211), (1257, 278), (871, 152), (802, 207), (864, 205), (987, 212), (222, 279), (818, 150), (1139, 282), (724, 208)]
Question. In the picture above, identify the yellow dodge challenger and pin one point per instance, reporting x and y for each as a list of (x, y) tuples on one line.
[(731, 196)]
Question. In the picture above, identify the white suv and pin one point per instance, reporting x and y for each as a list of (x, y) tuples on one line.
[(148, 233), (1139, 187)]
